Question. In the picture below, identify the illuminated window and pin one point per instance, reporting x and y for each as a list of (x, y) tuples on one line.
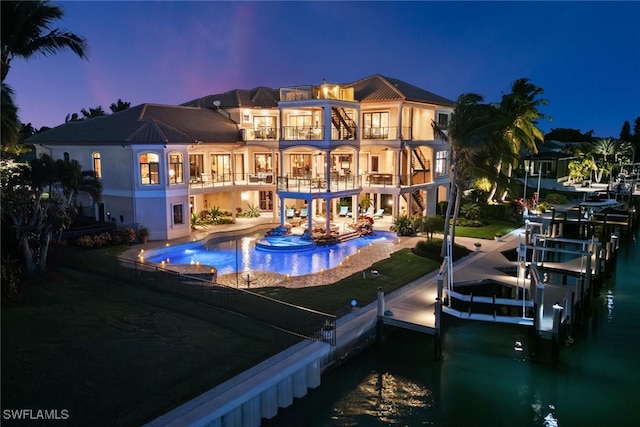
[(263, 163), (376, 125), (97, 165), (441, 163), (149, 168), (175, 168)]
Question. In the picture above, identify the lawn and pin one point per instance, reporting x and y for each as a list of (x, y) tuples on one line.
[(396, 271), (115, 354), (488, 231)]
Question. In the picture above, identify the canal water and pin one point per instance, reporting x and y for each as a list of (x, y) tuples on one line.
[(488, 376)]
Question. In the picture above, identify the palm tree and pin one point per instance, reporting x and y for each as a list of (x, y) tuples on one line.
[(520, 115), (35, 217), (93, 112), (10, 124), (605, 147), (27, 31), (471, 132), (119, 106)]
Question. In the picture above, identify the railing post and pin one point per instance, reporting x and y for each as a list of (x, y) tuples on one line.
[(381, 310)]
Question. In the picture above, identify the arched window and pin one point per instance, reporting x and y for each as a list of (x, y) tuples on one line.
[(175, 168), (97, 165), (149, 168)]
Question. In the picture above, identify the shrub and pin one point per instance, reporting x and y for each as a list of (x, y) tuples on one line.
[(431, 249), (543, 207), (252, 212), (123, 236), (223, 220), (403, 226), (471, 211), (442, 208)]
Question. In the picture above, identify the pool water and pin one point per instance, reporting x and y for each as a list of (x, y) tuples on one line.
[(241, 255)]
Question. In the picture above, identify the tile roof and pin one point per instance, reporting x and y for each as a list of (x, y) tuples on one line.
[(381, 88), (259, 97), (145, 123), (372, 88)]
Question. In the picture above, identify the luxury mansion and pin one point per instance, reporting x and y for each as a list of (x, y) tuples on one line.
[(302, 152)]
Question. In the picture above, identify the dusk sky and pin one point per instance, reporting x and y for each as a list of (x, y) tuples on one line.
[(585, 55)]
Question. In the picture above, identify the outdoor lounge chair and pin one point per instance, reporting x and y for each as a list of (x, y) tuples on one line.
[(304, 212), (369, 212), (379, 213), (344, 210), (290, 213)]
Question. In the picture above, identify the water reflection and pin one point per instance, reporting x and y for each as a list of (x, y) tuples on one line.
[(609, 300), (384, 397)]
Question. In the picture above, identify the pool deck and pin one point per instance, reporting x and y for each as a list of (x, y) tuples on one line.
[(362, 262)]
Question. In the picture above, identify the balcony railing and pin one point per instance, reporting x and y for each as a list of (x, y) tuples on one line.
[(207, 180), (325, 91), (318, 184), (261, 134), (303, 183), (380, 132), (302, 133)]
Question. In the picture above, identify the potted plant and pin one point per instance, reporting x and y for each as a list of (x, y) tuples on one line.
[(477, 246), (143, 235)]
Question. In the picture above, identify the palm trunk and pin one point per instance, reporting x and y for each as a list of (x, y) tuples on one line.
[(509, 173), (494, 186), (452, 193), (456, 213), (45, 239), (27, 257)]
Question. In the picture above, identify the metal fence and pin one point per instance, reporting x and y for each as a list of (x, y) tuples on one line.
[(296, 320)]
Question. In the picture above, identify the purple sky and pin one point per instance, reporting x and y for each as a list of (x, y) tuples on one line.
[(585, 55)]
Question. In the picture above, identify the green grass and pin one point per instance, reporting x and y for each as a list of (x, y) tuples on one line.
[(115, 354), (401, 268), (488, 231)]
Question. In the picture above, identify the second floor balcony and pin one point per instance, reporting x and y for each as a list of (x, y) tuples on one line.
[(306, 183)]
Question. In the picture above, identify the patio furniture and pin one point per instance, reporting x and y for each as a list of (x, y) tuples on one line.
[(368, 212), (290, 213), (344, 211), (379, 213), (304, 212)]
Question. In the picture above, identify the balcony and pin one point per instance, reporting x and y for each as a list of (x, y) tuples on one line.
[(308, 92), (210, 181), (319, 184), (262, 134), (302, 133), (383, 133)]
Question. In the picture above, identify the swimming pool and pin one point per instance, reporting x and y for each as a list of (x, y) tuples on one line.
[(241, 255)]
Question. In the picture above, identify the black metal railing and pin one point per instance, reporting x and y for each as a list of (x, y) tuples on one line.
[(290, 318)]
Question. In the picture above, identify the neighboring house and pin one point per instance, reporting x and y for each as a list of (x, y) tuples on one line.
[(314, 147), (551, 162)]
